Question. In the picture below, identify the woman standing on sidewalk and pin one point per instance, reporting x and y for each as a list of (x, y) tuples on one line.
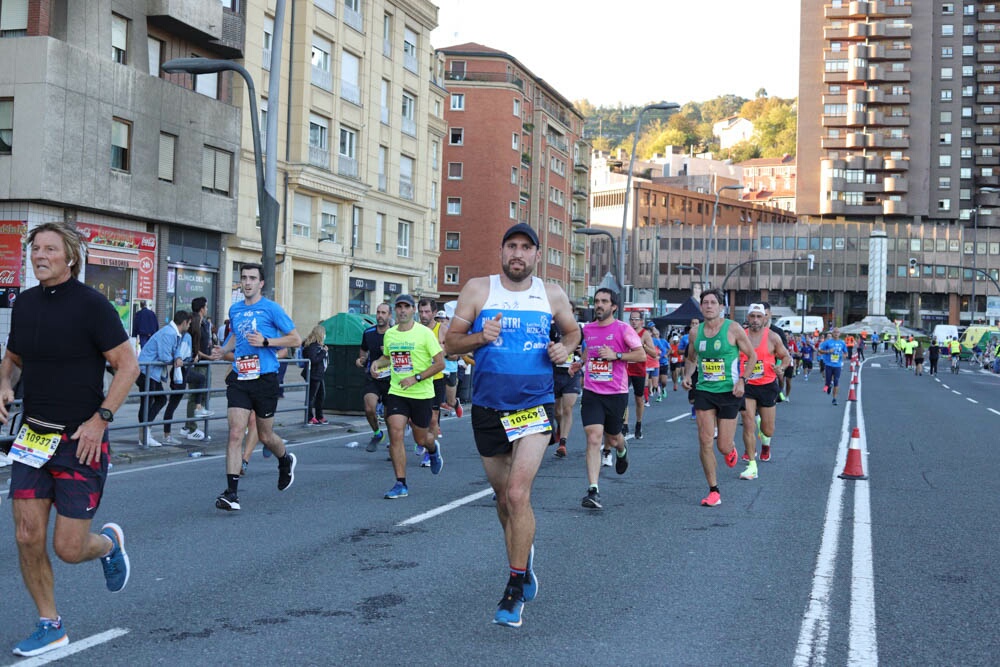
[(318, 356)]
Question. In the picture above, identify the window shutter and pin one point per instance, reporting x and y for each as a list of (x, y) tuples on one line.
[(14, 15), (119, 134), (223, 162), (119, 28), (207, 167), (165, 164)]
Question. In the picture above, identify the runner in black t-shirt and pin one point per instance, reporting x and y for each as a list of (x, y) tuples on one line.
[(375, 389), (62, 333)]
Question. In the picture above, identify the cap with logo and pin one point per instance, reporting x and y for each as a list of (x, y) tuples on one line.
[(440, 315), (756, 308), (521, 228)]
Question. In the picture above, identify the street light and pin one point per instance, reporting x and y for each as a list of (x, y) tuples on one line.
[(975, 235), (661, 106), (690, 267), (266, 202), (592, 231), (711, 232)]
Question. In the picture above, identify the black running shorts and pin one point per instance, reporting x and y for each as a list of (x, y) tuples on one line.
[(724, 404), (259, 395), (491, 438), (378, 387), (638, 384), (766, 395), (417, 410), (605, 409), (564, 383), (440, 387)]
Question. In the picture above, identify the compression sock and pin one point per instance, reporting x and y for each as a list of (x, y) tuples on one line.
[(233, 481)]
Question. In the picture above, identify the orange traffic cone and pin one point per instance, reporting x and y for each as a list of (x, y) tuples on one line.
[(852, 396), (852, 467)]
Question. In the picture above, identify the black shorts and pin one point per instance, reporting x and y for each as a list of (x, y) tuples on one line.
[(607, 410), (488, 431), (439, 393), (807, 365), (664, 369), (789, 372), (638, 385), (75, 489), (378, 387), (724, 404), (260, 395), (451, 379), (564, 383), (679, 365), (417, 410), (766, 395)]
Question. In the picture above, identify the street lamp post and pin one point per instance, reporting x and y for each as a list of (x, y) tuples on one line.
[(592, 231), (975, 239), (662, 106), (711, 232), (266, 201)]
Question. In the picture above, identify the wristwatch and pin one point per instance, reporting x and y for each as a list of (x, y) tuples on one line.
[(618, 356), (266, 343), (418, 377), (106, 414)]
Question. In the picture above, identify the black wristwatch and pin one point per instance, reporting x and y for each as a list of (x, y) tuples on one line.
[(266, 343), (418, 377), (618, 356), (106, 414)]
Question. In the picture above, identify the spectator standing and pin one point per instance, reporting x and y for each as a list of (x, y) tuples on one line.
[(144, 324), (318, 356)]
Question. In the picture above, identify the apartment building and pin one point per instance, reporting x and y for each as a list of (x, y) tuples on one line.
[(361, 124), (899, 124), (92, 132), (514, 153), (770, 180)]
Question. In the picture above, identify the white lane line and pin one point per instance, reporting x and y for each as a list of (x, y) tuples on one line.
[(971, 400), (445, 508), (956, 392), (74, 647), (862, 635), (876, 365), (993, 411), (944, 385), (678, 417)]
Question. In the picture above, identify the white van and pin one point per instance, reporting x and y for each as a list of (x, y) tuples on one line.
[(795, 324), (942, 332)]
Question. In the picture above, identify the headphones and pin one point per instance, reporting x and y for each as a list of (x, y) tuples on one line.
[(69, 263)]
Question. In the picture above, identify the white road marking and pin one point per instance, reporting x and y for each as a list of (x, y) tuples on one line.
[(971, 400), (876, 365), (944, 385), (74, 646), (955, 391), (862, 637), (678, 417), (445, 508), (993, 411)]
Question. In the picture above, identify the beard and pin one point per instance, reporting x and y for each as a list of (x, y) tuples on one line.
[(517, 274)]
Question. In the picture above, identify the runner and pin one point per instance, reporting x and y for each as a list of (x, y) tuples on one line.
[(652, 365), (762, 386), (376, 388), (715, 352), (918, 358), (664, 360), (426, 310), (789, 366), (414, 355), (566, 385), (676, 357), (451, 402), (834, 351), (637, 370), (259, 327), (505, 319), (807, 351), (61, 334)]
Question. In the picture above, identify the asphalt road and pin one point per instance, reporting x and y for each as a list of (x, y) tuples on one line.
[(797, 567)]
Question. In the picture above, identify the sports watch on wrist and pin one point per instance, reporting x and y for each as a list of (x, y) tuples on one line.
[(106, 414), (618, 356), (418, 377), (266, 343)]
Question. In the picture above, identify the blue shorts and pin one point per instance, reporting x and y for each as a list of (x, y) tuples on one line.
[(75, 489), (833, 375)]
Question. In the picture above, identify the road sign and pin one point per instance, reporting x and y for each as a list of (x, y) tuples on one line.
[(993, 306)]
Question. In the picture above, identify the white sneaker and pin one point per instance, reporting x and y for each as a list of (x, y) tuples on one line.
[(184, 431), (202, 412), (607, 460), (169, 439), (196, 434), (153, 442)]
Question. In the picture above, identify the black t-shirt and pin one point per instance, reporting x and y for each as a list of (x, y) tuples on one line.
[(61, 333), (371, 342), (781, 334)]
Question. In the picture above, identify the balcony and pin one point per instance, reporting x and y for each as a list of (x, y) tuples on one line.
[(984, 57), (858, 73), (834, 121), (579, 193), (987, 139), (988, 98), (854, 162), (883, 52), (579, 221), (199, 22), (319, 157), (886, 9), (987, 36), (347, 166), (885, 30), (488, 77), (831, 207), (903, 98), (405, 187), (858, 9), (897, 184), (856, 118), (354, 19), (579, 247), (986, 181), (580, 165), (893, 142), (855, 140), (831, 12), (987, 160), (832, 183), (833, 143), (874, 162), (350, 92), (322, 78), (896, 165), (558, 142), (893, 207)]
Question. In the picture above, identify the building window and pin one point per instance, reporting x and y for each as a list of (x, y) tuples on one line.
[(515, 141), (454, 206), (347, 162), (353, 16), (458, 101), (947, 30), (165, 159), (155, 55), (451, 275), (944, 160), (328, 222), (945, 95), (944, 204), (434, 155), (302, 216), (409, 108), (555, 257), (513, 175), (517, 107), (404, 229), (453, 241), (456, 136), (434, 196), (6, 126), (319, 141), (947, 73), (13, 18), (380, 232), (383, 154), (119, 37), (406, 177), (385, 102), (455, 171), (350, 77), (944, 182), (947, 52), (216, 167), (121, 144), (387, 35), (267, 39), (513, 210), (320, 59), (409, 49), (355, 226)]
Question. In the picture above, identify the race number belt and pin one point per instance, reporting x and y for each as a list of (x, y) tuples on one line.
[(599, 370), (525, 422), (33, 448), (713, 370), (384, 375), (248, 367)]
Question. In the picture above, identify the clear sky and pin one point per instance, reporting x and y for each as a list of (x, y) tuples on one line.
[(638, 51)]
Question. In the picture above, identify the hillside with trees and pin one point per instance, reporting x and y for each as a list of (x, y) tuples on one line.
[(774, 119)]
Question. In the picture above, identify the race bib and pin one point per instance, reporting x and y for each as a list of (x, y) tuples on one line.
[(758, 371), (525, 422), (34, 449), (713, 370), (402, 362), (248, 367), (834, 358), (599, 370), (384, 375)]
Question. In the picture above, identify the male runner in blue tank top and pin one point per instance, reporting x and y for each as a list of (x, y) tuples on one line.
[(505, 320)]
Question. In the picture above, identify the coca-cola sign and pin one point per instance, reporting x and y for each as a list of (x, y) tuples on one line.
[(11, 252)]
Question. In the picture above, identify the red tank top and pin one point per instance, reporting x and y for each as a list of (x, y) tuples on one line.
[(763, 370)]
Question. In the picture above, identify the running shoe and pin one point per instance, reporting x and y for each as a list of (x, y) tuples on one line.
[(713, 499), (243, 468), (607, 460), (744, 458), (765, 452), (646, 404), (286, 471), (834, 401), (46, 637), (621, 462), (731, 458), (201, 413), (459, 411), (638, 430), (374, 442), (530, 580), (398, 490), (826, 389), (228, 501), (659, 399), (115, 563), (560, 452), (425, 462), (625, 429), (436, 460), (592, 500), (510, 607), (750, 472), (169, 439), (196, 434), (313, 422)]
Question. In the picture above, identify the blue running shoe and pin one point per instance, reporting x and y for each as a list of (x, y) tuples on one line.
[(530, 580), (398, 490), (46, 637), (115, 564), (437, 462), (425, 462), (510, 608), (265, 452)]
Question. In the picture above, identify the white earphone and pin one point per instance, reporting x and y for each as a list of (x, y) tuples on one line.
[(69, 263)]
